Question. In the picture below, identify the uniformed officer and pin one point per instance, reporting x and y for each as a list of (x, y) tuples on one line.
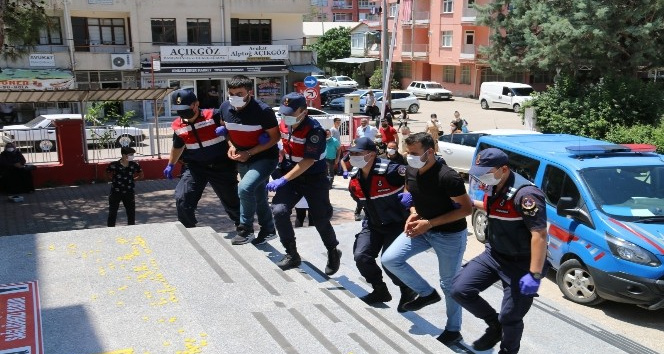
[(515, 252), (205, 156), (303, 174), (375, 184)]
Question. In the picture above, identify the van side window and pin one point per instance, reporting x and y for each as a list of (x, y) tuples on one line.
[(556, 184), (506, 91), (525, 166)]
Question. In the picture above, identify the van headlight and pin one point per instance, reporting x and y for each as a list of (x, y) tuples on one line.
[(631, 252)]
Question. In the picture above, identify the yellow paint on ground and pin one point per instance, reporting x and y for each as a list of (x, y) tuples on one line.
[(121, 351)]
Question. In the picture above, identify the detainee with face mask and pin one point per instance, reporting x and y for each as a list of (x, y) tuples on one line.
[(439, 205), (303, 171), (375, 184), (123, 173), (205, 156), (252, 137)]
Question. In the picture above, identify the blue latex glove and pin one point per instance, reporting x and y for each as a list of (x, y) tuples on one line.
[(221, 131), (276, 184), (528, 285), (345, 174), (168, 171), (406, 199), (263, 138)]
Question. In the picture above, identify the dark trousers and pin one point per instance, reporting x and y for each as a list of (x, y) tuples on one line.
[(14, 180), (331, 170), (480, 273), (128, 200), (316, 189), (189, 190), (368, 243)]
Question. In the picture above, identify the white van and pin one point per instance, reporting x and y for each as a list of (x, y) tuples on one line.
[(504, 94)]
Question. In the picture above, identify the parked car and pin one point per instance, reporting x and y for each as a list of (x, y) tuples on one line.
[(430, 90), (40, 132), (401, 100), (327, 94), (341, 81), (325, 119), (339, 103), (322, 79), (605, 214), (458, 149), (504, 94)]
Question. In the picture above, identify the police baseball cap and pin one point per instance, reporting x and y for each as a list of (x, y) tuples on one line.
[(291, 102), (182, 99), (488, 159), (363, 144)]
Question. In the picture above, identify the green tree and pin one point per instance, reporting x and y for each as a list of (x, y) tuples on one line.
[(598, 36), (20, 23), (334, 44)]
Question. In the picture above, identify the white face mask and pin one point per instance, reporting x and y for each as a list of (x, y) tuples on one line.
[(10, 149), (236, 101), (130, 157), (489, 179), (358, 161), (415, 161), (391, 151)]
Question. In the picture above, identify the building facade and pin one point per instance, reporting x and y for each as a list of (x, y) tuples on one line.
[(94, 44), (341, 10)]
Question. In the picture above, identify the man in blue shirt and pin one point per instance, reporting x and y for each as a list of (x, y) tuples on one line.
[(332, 155)]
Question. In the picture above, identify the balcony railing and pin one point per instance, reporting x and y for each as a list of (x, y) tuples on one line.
[(469, 15), (103, 48), (415, 50), (420, 17), (341, 5), (467, 52)]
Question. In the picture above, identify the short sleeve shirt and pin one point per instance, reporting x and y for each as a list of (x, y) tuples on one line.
[(432, 191), (387, 134), (529, 203), (331, 147), (367, 132), (246, 125), (123, 177)]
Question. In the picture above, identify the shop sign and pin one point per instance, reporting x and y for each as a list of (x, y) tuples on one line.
[(42, 60), (220, 69), (20, 318), (208, 54), (41, 80)]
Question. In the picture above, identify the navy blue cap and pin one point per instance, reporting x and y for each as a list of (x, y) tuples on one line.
[(488, 159), (182, 99), (291, 102), (363, 144)]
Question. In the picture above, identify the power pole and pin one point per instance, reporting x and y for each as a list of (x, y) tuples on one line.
[(385, 46)]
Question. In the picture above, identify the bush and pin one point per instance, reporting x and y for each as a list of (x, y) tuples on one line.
[(376, 80), (638, 134)]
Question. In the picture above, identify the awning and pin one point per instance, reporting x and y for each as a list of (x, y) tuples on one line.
[(305, 69), (84, 95), (353, 60)]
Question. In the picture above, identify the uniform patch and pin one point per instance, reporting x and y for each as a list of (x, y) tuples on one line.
[(402, 170), (529, 206), (314, 139)]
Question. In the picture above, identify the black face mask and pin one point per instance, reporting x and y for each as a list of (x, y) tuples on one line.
[(186, 113)]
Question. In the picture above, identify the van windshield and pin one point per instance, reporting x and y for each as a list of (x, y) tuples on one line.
[(522, 91), (629, 193)]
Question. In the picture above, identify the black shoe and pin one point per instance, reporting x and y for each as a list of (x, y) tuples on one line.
[(333, 261), (289, 261), (263, 236), (448, 337), (422, 301), (358, 217), (244, 235), (298, 223), (407, 295), (379, 294), (491, 337)]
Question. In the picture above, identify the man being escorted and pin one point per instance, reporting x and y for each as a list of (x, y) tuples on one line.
[(303, 170), (375, 184), (438, 221), (205, 157), (515, 252)]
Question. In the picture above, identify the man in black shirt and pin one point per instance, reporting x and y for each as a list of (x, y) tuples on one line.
[(123, 173), (438, 221)]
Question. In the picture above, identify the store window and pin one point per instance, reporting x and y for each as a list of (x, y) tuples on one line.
[(245, 31), (52, 32), (198, 31), (163, 31), (404, 69)]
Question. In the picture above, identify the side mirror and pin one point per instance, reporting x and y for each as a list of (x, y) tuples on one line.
[(509, 94), (567, 207)]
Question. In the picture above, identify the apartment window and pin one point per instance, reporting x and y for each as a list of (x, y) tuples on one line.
[(198, 31), (163, 31), (52, 32), (343, 17), (365, 4), (393, 10), (448, 6), (318, 2), (465, 74), (446, 39), (449, 73), (357, 41), (251, 31), (471, 4), (90, 32), (404, 69)]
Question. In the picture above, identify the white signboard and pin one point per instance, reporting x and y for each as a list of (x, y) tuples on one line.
[(35, 79), (207, 54), (42, 60)]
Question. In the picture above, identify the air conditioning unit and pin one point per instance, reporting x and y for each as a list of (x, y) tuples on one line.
[(121, 61)]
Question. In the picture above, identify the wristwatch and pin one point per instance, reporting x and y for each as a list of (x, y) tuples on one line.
[(537, 276)]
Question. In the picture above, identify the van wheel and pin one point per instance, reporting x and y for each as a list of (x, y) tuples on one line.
[(479, 221), (484, 104), (517, 108), (577, 284), (413, 108)]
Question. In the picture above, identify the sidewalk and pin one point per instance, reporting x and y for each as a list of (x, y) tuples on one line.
[(86, 207)]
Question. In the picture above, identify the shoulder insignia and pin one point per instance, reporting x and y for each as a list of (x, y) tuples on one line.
[(528, 206), (314, 139), (402, 170)]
